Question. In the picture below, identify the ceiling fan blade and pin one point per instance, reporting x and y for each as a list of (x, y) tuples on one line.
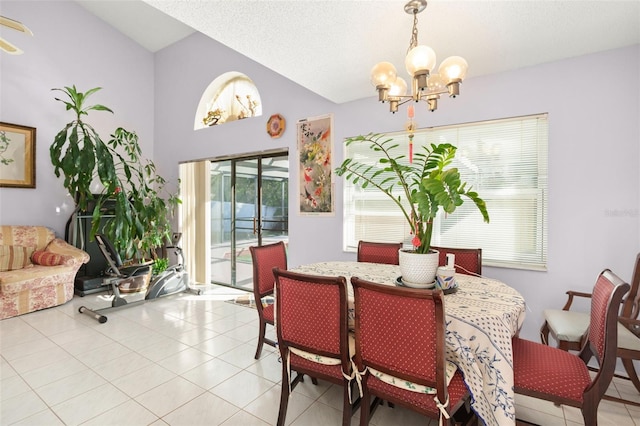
[(18, 26), (9, 48)]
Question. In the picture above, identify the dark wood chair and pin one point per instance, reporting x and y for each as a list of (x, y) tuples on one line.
[(313, 336), (379, 252), (549, 373), (264, 259), (468, 261), (569, 329), (400, 333)]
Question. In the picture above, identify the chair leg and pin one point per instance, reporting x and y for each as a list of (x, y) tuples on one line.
[(631, 372), (590, 413), (346, 404), (284, 396), (364, 408), (261, 334), (544, 334)]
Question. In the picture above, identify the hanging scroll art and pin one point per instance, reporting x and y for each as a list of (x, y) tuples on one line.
[(315, 143)]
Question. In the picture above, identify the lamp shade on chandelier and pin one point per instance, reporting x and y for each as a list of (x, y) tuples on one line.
[(420, 62)]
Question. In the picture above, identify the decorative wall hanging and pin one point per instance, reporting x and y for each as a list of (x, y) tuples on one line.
[(17, 156), (276, 125), (315, 143)]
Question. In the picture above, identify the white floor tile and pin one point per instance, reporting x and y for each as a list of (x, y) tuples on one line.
[(28, 348), (164, 347), (211, 373), (20, 407), (143, 380), (206, 409), (6, 370), (267, 406), (51, 373), (68, 387), (106, 353), (52, 356), (218, 345), (242, 388), (196, 335), (129, 413), (320, 414), (268, 366), (13, 386), (186, 360), (244, 419), (121, 366), (245, 333), (168, 396), (46, 417), (89, 404), (241, 356)]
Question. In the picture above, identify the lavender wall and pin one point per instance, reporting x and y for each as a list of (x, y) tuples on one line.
[(594, 152), (69, 46), (594, 149)]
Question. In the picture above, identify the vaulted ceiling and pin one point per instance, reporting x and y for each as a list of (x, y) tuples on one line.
[(329, 46)]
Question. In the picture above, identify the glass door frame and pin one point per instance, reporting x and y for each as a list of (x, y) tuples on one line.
[(258, 220)]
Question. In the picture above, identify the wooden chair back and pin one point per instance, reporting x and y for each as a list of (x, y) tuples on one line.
[(468, 261), (379, 252)]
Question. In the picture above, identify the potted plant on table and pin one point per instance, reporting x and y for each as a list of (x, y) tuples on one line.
[(419, 188), (141, 220)]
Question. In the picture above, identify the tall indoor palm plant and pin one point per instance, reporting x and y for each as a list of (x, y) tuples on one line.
[(142, 217), (419, 188)]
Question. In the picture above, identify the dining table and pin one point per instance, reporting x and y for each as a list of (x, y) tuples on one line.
[(481, 317)]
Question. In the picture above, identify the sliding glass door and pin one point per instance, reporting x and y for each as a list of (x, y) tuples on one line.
[(249, 206)]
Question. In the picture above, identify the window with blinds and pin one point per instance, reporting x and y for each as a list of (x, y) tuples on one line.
[(505, 161)]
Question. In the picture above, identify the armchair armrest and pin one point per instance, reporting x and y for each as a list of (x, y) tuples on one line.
[(573, 294), (633, 325), (60, 246)]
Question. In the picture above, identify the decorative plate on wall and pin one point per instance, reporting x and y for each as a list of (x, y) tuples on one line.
[(275, 126)]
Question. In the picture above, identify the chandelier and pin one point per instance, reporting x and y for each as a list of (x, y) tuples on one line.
[(420, 61)]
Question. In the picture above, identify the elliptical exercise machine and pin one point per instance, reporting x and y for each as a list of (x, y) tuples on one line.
[(132, 279)]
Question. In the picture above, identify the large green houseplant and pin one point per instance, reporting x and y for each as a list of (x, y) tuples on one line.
[(141, 220), (419, 188)]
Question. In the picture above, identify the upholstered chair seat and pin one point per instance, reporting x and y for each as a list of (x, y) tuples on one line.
[(566, 375), (569, 326)]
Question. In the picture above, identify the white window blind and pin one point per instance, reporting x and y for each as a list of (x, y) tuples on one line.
[(505, 161)]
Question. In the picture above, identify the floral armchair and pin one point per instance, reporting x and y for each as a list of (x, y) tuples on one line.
[(37, 270)]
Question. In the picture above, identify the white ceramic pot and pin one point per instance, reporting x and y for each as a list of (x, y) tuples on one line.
[(418, 269)]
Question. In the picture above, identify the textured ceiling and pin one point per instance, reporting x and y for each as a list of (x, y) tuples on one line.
[(329, 46)]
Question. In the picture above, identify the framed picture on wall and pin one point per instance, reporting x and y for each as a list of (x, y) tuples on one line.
[(17, 156), (315, 145)]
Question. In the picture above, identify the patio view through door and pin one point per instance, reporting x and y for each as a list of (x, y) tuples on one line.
[(249, 206)]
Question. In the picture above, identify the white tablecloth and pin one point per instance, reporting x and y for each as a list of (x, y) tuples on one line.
[(481, 317)]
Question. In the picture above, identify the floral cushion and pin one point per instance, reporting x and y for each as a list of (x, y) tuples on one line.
[(324, 359), (413, 387), (47, 258), (14, 257)]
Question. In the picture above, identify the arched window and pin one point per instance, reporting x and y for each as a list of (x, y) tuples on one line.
[(231, 96)]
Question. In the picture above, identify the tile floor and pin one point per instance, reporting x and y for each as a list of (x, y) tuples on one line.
[(181, 360)]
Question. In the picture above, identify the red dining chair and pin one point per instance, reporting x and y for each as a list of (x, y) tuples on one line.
[(468, 261), (549, 373), (400, 338), (379, 252), (313, 335), (569, 329), (264, 259)]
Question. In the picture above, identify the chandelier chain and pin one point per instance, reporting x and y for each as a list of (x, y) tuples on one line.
[(414, 33)]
